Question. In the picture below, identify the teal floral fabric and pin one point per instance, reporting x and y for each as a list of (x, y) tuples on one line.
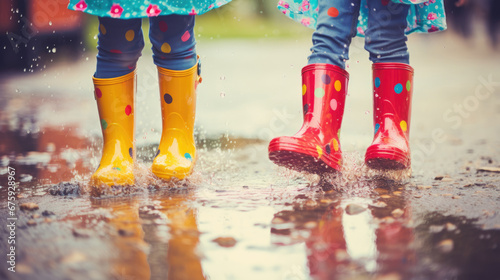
[(424, 15), (126, 9)]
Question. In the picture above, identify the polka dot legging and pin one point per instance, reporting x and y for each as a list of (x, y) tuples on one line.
[(120, 43), (385, 38)]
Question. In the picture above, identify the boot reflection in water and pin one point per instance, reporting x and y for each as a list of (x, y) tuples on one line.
[(344, 244), (316, 147), (120, 43)]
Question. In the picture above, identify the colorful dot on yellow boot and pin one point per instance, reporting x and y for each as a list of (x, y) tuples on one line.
[(403, 125), (104, 124), (319, 150), (304, 89)]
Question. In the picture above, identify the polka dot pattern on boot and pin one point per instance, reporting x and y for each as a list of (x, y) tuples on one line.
[(306, 108), (377, 127), (328, 150), (398, 88), (104, 124), (326, 79), (168, 98), (157, 153), (319, 150), (403, 125), (408, 86), (333, 104), (304, 89), (98, 93), (131, 152), (338, 85), (128, 110), (377, 82), (188, 156), (319, 92), (335, 145)]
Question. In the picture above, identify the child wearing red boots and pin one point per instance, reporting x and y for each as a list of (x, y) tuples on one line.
[(315, 147)]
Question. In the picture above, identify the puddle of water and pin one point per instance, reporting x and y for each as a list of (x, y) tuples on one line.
[(237, 216)]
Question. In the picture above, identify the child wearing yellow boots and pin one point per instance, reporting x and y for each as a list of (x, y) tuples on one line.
[(120, 42)]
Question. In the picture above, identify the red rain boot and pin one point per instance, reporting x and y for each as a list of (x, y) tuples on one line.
[(393, 86), (316, 148)]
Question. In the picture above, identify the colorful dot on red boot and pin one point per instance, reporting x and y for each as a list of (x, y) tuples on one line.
[(319, 150), (306, 108), (168, 98), (335, 145), (319, 92), (128, 110), (408, 86), (377, 127), (326, 79), (333, 104), (98, 93), (404, 126), (338, 85), (398, 88), (377, 82), (328, 149)]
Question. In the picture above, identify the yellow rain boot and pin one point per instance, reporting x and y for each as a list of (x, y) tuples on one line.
[(115, 102), (177, 152)]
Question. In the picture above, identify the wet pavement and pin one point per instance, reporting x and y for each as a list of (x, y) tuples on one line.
[(238, 216)]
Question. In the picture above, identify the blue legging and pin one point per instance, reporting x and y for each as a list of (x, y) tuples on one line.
[(385, 38), (120, 43)]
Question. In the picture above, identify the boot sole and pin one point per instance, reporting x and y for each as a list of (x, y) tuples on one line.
[(287, 155), (386, 160)]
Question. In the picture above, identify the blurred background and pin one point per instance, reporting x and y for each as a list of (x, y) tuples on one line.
[(37, 33)]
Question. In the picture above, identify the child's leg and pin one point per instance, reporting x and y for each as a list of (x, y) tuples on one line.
[(385, 36), (174, 54), (337, 21), (315, 147), (173, 41), (119, 46), (392, 86)]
